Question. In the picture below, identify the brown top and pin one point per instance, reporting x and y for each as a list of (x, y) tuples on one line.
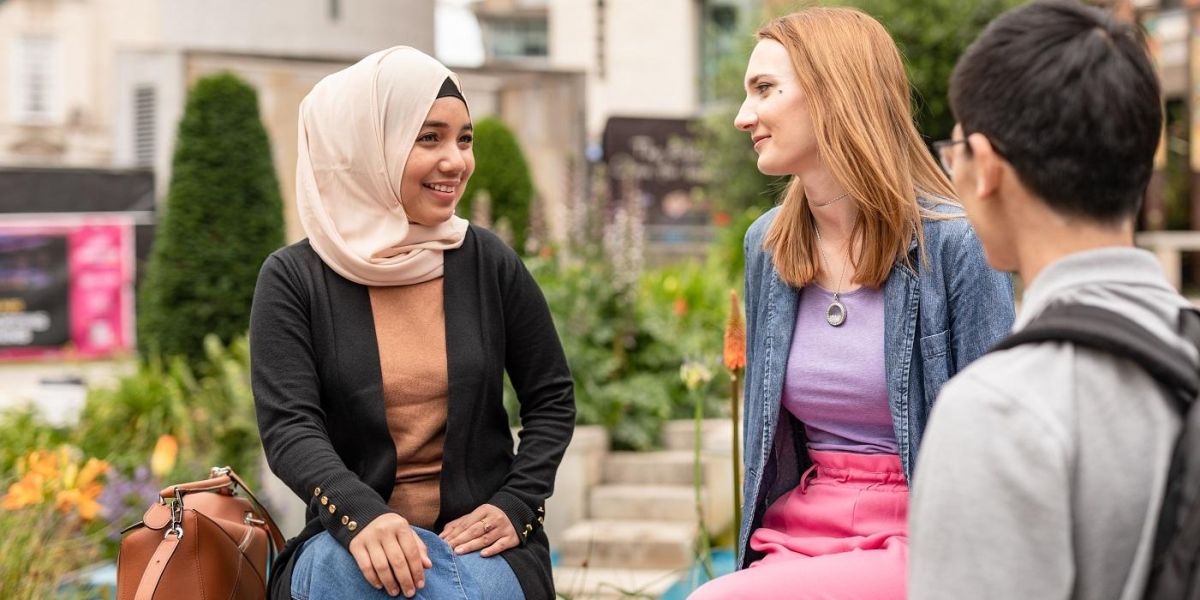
[(411, 329)]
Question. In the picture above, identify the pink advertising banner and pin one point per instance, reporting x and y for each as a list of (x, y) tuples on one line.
[(66, 288)]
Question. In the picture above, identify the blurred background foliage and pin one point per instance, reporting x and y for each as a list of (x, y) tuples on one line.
[(502, 175), (626, 329)]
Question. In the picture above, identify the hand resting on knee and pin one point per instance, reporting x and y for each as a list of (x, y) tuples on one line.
[(391, 555)]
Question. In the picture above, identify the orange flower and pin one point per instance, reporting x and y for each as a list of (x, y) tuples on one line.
[(93, 469), (37, 469), (29, 491), (71, 487), (166, 451), (735, 335), (680, 307), (81, 494), (43, 463), (81, 500)]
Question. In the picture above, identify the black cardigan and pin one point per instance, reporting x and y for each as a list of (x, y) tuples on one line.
[(318, 393)]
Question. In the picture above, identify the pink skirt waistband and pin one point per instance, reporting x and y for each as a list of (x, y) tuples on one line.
[(852, 468)]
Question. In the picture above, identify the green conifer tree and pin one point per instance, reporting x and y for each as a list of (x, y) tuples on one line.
[(501, 170), (223, 216)]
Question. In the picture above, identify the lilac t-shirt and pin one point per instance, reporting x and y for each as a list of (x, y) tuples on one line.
[(836, 382)]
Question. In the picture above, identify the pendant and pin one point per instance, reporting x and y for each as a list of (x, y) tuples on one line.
[(835, 315)]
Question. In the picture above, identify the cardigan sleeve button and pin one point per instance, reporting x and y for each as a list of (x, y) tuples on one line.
[(324, 500), (345, 519), (332, 508), (317, 491), (352, 526)]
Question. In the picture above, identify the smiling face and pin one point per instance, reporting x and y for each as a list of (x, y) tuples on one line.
[(439, 165), (775, 113)]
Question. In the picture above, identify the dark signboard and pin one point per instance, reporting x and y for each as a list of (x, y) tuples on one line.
[(34, 291), (657, 160)]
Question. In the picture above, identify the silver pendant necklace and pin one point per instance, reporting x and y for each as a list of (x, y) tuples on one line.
[(835, 315)]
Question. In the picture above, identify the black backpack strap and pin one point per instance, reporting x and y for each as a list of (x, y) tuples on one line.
[(1175, 572), (1174, 569), (1107, 331)]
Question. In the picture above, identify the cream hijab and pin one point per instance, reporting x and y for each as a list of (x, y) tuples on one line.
[(356, 129)]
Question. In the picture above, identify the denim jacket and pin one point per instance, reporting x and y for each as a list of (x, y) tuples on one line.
[(937, 320)]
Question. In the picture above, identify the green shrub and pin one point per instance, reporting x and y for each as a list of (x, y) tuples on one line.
[(931, 35), (223, 217), (210, 411), (625, 357), (22, 430), (40, 549), (730, 242), (501, 170)]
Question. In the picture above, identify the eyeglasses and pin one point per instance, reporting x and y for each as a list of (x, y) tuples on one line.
[(945, 154)]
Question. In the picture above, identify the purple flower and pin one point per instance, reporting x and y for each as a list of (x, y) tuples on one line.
[(125, 499)]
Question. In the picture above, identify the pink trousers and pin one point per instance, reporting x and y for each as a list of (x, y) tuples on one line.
[(841, 534)]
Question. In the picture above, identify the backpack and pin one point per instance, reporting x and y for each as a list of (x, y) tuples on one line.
[(1175, 566)]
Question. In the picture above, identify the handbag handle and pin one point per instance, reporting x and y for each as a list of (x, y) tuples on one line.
[(227, 478)]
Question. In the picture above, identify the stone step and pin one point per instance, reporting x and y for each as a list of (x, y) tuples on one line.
[(644, 502), (716, 435), (664, 503), (584, 583), (664, 467), (629, 544)]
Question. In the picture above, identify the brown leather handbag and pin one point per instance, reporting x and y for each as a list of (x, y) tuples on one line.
[(200, 540)]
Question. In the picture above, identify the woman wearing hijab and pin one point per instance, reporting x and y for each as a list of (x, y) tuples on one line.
[(865, 291), (379, 346)]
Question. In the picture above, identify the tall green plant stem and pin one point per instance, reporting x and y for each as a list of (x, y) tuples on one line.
[(735, 391), (697, 484)]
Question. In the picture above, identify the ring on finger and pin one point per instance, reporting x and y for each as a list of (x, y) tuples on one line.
[(486, 526)]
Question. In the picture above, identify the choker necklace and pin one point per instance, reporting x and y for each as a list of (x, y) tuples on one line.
[(811, 203), (835, 315)]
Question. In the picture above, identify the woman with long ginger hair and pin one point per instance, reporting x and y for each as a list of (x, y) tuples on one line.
[(865, 291)]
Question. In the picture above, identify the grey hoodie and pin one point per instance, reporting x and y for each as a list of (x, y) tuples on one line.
[(1043, 467)]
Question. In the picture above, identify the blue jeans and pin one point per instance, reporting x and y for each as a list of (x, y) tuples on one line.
[(326, 571)]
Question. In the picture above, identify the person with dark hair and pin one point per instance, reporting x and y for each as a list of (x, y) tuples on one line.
[(1044, 465)]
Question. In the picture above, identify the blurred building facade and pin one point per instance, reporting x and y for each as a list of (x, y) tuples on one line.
[(640, 59), (101, 84), (1172, 41), (649, 70)]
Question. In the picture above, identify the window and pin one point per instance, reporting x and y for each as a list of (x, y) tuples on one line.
[(35, 85), (518, 38), (145, 110), (718, 38), (601, 56)]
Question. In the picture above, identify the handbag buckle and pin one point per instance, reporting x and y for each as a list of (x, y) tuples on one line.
[(176, 527)]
